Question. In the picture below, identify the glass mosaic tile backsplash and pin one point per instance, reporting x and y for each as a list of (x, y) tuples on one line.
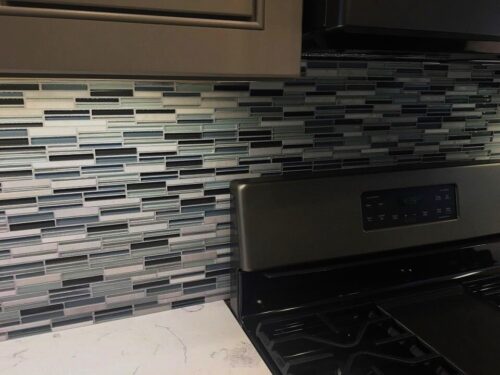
[(114, 195)]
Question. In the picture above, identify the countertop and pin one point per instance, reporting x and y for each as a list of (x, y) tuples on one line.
[(203, 339)]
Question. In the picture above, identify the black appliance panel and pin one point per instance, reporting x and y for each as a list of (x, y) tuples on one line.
[(363, 277), (416, 205), (465, 19)]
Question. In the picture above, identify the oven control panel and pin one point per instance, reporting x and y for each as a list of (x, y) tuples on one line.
[(407, 206)]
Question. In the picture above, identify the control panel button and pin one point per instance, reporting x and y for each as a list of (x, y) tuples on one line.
[(408, 206)]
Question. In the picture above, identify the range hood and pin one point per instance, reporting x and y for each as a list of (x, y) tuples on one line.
[(432, 24)]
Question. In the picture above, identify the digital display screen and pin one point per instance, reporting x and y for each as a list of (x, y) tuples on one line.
[(408, 206), (410, 201)]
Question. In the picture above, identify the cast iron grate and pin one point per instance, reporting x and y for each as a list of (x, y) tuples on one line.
[(358, 341)]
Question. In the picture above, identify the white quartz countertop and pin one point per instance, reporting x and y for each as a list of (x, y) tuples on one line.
[(203, 339)]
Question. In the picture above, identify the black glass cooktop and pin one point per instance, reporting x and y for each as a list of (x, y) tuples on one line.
[(487, 288), (364, 340)]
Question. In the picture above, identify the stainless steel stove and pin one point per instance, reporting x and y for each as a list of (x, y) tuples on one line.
[(375, 272)]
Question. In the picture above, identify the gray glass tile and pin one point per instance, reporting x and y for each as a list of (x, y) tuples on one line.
[(136, 220), (64, 86), (52, 140)]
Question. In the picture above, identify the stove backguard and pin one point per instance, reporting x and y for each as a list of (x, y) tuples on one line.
[(283, 222)]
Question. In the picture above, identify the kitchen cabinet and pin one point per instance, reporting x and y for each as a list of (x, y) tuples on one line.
[(155, 38)]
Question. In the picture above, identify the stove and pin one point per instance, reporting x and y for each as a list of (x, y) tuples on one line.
[(371, 272)]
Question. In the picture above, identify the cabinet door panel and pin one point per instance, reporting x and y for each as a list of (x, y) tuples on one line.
[(234, 8), (236, 14), (61, 44)]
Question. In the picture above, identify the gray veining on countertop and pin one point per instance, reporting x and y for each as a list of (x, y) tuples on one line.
[(193, 340)]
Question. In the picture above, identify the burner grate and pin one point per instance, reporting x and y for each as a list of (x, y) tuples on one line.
[(487, 288), (359, 341)]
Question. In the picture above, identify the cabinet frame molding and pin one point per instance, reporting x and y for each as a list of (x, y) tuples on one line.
[(255, 23)]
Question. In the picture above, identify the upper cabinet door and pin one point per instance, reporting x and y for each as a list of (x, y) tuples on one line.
[(230, 7), (222, 9), (247, 14), (177, 38)]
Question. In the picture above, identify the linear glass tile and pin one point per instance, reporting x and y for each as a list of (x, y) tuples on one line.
[(52, 140), (161, 156)]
